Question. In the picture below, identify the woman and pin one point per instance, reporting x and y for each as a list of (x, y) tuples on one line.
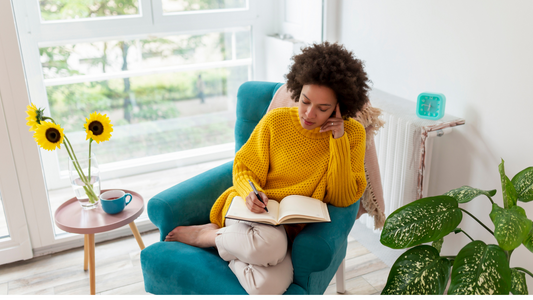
[(313, 149)]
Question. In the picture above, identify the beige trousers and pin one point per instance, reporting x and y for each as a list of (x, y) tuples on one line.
[(257, 255)]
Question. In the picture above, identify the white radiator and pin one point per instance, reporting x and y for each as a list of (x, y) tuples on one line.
[(404, 149)]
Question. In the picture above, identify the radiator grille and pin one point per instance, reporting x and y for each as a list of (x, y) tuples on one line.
[(403, 149)]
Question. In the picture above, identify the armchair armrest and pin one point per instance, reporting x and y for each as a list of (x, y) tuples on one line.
[(189, 202), (316, 246)]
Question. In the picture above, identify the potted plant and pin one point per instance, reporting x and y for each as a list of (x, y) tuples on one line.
[(478, 268)]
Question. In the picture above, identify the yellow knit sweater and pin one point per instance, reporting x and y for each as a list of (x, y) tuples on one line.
[(282, 158)]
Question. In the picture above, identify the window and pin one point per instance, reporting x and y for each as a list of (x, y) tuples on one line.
[(164, 94), (166, 72)]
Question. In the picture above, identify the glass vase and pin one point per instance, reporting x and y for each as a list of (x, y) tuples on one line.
[(85, 180)]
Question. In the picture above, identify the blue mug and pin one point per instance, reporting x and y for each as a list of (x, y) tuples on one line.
[(114, 201)]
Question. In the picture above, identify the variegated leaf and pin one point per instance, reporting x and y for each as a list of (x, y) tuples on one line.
[(508, 190), (424, 220), (438, 244), (528, 242), (466, 193), (480, 269), (511, 226), (518, 282), (419, 271), (523, 183)]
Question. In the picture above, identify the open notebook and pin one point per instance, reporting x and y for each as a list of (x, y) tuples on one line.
[(290, 210)]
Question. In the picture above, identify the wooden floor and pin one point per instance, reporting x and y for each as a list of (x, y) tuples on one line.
[(118, 271)]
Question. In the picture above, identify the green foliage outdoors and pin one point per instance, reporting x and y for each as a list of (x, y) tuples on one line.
[(141, 99), (478, 268), (73, 9), (151, 94), (188, 5), (154, 96), (143, 145)]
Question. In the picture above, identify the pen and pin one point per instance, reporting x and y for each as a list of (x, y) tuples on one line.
[(257, 193)]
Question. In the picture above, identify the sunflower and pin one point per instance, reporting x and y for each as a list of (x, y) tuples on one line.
[(49, 135), (98, 127), (35, 116)]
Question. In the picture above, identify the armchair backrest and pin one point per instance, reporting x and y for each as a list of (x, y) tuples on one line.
[(253, 99)]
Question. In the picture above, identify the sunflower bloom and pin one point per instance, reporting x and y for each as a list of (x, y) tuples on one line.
[(98, 127), (49, 136), (35, 116)]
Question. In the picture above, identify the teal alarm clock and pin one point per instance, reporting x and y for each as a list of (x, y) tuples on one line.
[(430, 106)]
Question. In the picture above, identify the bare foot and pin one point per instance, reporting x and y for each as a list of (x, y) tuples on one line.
[(202, 236)]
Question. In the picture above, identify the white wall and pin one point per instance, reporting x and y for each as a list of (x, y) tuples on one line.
[(479, 53), (268, 23), (302, 20)]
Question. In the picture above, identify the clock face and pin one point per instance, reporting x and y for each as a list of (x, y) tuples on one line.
[(430, 106)]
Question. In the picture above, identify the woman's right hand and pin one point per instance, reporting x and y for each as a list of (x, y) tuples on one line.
[(254, 205)]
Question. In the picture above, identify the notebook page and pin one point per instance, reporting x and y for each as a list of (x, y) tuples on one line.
[(238, 208), (301, 205)]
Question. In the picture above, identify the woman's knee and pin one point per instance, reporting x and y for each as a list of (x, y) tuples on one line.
[(258, 280), (268, 243)]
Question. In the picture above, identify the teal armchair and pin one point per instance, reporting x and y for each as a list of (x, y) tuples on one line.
[(177, 268)]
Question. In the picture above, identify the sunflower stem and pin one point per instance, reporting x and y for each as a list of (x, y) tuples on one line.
[(90, 193), (481, 223), (75, 166), (87, 184), (84, 179), (90, 143)]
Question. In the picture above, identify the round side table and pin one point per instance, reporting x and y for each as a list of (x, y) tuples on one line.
[(70, 217)]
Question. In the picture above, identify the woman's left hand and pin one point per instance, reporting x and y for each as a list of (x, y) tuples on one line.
[(335, 124)]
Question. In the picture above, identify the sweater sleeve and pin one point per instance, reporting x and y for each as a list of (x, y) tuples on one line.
[(346, 180), (252, 160)]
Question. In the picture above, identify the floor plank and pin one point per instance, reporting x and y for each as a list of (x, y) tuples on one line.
[(362, 265), (378, 278), (36, 265), (355, 249), (48, 291), (67, 275), (132, 289), (354, 286)]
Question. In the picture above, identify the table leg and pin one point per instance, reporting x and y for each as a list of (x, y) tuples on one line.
[(137, 235), (91, 263), (85, 251)]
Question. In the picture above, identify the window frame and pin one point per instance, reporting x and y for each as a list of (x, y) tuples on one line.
[(18, 245), (32, 34)]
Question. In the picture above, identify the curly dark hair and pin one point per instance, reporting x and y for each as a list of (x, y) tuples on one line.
[(333, 66)]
